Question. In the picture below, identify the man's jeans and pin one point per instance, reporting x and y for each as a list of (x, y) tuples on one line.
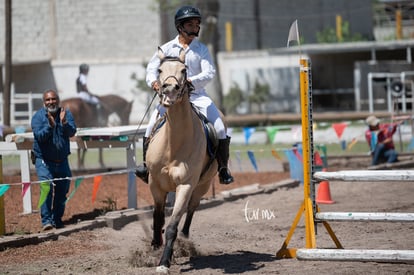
[(47, 170), (381, 155)]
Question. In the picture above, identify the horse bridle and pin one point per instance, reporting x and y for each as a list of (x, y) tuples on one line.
[(182, 84)]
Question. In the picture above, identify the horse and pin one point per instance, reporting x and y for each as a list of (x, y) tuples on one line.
[(86, 115), (177, 157)]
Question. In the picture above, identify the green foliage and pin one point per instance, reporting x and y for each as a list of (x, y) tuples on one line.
[(328, 35), (20, 231), (141, 83), (260, 94), (109, 205), (233, 99), (166, 5)]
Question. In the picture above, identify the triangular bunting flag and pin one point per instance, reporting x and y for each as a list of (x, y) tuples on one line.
[(238, 159), (77, 183), (339, 129), (271, 133), (252, 160), (44, 192), (317, 158), (96, 182), (276, 155), (248, 132), (297, 154), (411, 145), (352, 143), (296, 133), (25, 187), (4, 188)]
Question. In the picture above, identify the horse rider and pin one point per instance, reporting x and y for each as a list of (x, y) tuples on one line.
[(84, 93), (200, 70)]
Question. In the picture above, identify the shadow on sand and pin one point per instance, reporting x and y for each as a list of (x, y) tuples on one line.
[(236, 263)]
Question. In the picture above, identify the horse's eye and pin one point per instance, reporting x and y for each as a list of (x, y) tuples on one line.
[(159, 71), (177, 87), (184, 71)]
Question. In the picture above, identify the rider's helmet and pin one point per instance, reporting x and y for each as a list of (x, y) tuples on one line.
[(185, 13), (83, 68)]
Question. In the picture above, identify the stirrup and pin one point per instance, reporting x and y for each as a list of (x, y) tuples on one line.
[(142, 172), (225, 176)]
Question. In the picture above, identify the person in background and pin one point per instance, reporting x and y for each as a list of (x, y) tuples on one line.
[(82, 87), (52, 127), (200, 69), (86, 95), (380, 142)]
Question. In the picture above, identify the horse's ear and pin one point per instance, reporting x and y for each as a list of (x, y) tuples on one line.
[(182, 55), (161, 54)]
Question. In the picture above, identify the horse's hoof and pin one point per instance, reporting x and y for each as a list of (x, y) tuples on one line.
[(155, 246), (162, 269)]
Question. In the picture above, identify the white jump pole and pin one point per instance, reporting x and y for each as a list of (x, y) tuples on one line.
[(366, 175), (365, 216), (362, 255)]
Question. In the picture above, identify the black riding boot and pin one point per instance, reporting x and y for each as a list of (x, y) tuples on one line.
[(142, 170), (222, 159)]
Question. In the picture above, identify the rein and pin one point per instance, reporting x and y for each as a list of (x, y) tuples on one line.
[(183, 84)]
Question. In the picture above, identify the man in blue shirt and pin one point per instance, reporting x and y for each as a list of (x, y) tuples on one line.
[(52, 127)]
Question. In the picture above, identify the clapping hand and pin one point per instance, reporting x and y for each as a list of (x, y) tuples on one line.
[(63, 115), (51, 119)]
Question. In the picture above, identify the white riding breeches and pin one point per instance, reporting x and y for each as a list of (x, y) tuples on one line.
[(206, 107), (88, 98)]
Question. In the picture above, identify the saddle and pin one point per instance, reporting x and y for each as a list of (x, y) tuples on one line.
[(210, 132)]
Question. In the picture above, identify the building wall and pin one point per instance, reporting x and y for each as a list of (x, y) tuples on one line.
[(269, 26), (52, 37), (87, 30), (30, 30), (115, 37)]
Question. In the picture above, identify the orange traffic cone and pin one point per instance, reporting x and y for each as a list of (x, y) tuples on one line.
[(324, 193)]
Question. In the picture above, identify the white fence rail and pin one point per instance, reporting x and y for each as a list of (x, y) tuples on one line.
[(21, 107)]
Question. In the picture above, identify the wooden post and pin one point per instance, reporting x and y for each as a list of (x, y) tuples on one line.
[(339, 28), (398, 24), (229, 37)]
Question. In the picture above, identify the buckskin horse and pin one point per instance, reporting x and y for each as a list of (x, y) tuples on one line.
[(177, 157), (86, 115)]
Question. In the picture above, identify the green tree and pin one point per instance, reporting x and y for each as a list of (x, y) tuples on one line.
[(233, 99), (328, 35), (260, 95), (141, 83)]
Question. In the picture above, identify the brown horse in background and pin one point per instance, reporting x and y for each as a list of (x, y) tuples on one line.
[(86, 115)]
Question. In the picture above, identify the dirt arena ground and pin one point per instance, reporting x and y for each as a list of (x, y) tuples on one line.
[(225, 239)]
